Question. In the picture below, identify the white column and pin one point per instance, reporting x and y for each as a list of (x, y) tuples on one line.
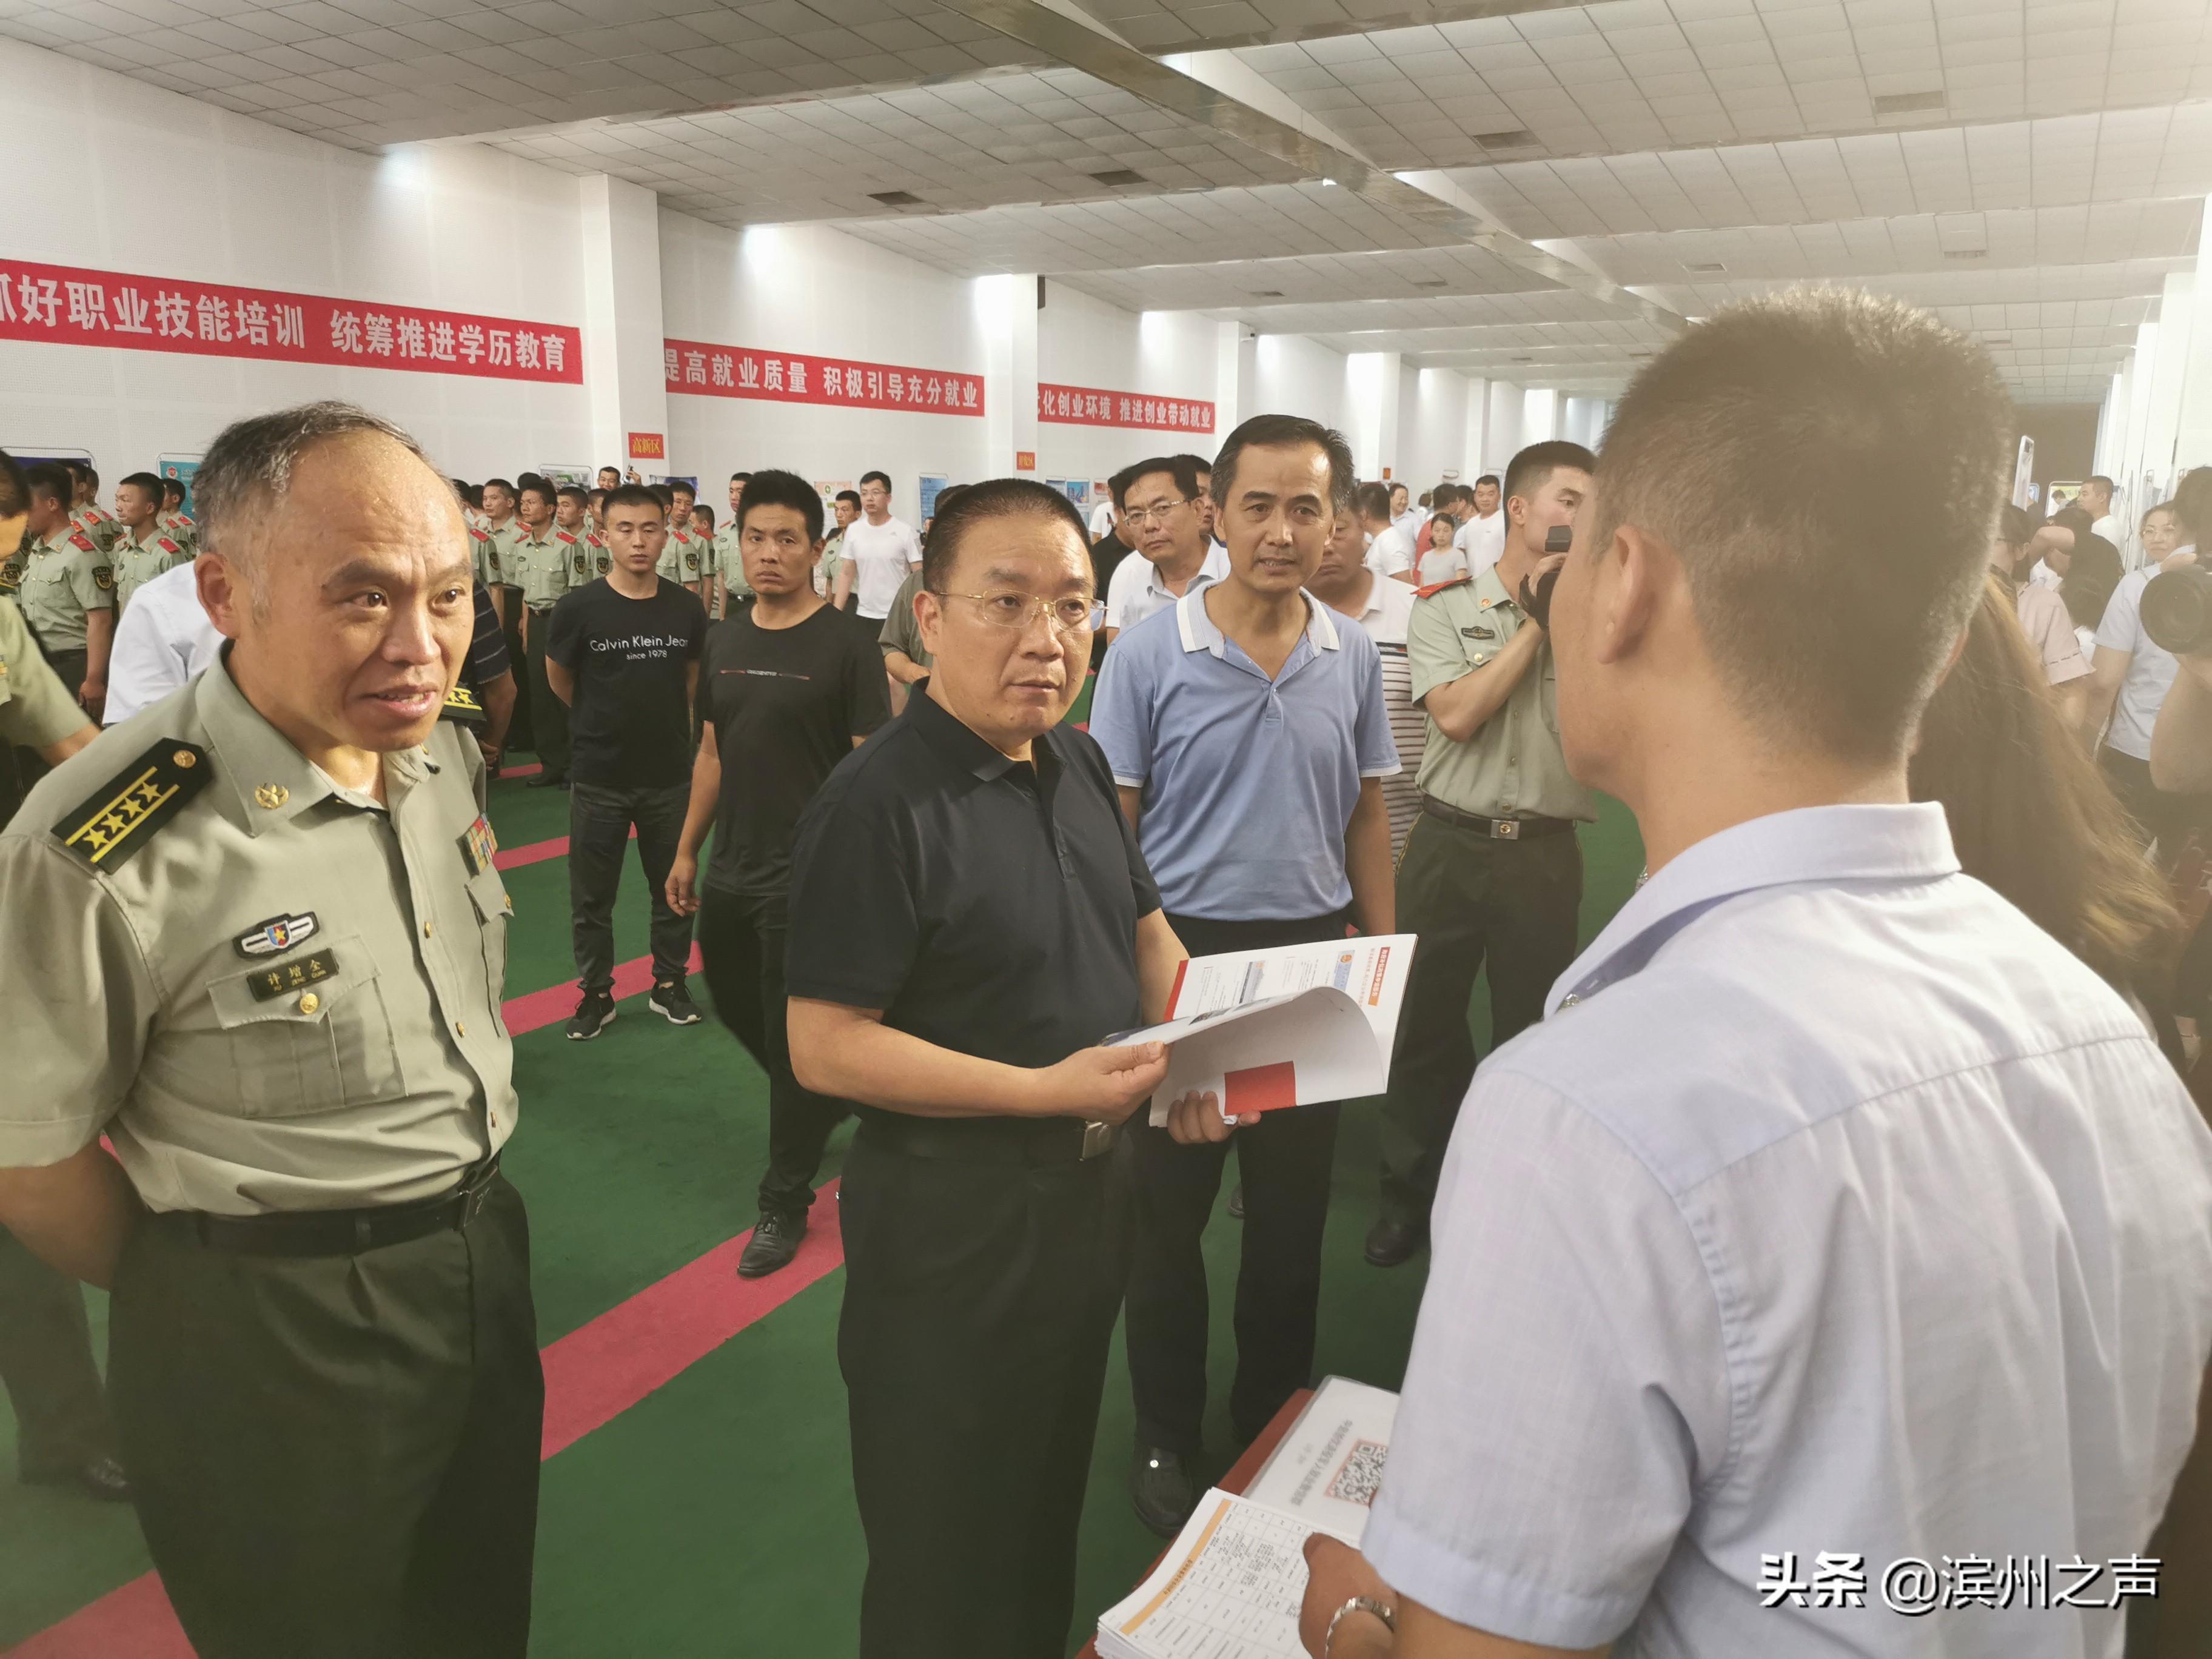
[(1502, 433), (2169, 370), (1228, 356), (2192, 445), (1370, 380), (1006, 309), (622, 331), (1474, 440), (2138, 416), (1540, 415)]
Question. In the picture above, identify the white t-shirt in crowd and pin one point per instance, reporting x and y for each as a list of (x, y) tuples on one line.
[(2108, 527), (1102, 517), (1135, 591), (164, 639), (881, 555), (2042, 575), (1482, 540), (1390, 607), (2151, 666), (1390, 552), (1411, 521)]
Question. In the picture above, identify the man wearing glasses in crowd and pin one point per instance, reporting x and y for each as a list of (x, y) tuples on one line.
[(969, 918), (1166, 519)]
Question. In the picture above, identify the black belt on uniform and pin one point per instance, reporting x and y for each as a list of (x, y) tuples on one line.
[(993, 1140), (1495, 829), (343, 1232)]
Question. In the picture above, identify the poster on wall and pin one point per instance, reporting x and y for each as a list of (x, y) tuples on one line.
[(180, 468), (560, 473), (832, 488), (2023, 474), (1085, 406), (932, 486), (704, 370), (62, 304)]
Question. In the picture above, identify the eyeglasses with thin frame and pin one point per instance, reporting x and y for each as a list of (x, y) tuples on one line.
[(1140, 517), (1074, 613)]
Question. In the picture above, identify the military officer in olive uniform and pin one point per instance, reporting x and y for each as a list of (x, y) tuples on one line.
[(684, 558), (67, 589), (254, 937), (541, 562), (1490, 868), (144, 550), (63, 1433), (728, 564)]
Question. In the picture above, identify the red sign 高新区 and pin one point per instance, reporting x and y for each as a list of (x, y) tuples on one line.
[(1084, 405), (68, 307), (1025, 460), (791, 377), (647, 446)]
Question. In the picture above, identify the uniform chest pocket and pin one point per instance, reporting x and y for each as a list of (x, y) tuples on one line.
[(487, 897), (320, 1040)]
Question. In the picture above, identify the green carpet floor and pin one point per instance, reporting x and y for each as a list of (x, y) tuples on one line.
[(716, 1517)]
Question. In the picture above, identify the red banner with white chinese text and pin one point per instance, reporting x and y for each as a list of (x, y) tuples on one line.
[(1086, 406), (792, 377)]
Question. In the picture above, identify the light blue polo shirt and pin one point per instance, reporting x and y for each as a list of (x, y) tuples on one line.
[(1248, 783)]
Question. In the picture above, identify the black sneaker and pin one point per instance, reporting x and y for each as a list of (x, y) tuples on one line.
[(1237, 1202), (672, 999), (592, 1016), (1163, 1489), (774, 1241)]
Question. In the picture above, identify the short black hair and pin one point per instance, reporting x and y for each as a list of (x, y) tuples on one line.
[(685, 485), (852, 495), (50, 480), (1285, 432), (1177, 467), (663, 494), (699, 506), (507, 484), (630, 495), (567, 490), (615, 470), (882, 478), (2099, 478), (81, 473), (533, 481), (1526, 472), (2192, 501), (741, 477), (14, 488), (473, 494), (1198, 463), (148, 482), (1491, 478), (995, 498), (1371, 501), (777, 487), (173, 487)]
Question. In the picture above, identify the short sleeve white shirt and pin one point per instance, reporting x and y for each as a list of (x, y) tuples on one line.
[(2151, 666), (1390, 552), (881, 555), (164, 639), (1482, 540), (1834, 1208), (1135, 591)]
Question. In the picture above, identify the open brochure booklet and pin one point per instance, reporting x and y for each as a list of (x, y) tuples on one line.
[(1288, 1027), (1230, 1586)]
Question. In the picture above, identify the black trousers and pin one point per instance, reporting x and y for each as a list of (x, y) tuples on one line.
[(1468, 897), (2160, 815), (600, 822), (521, 732), (979, 1299), (47, 1365), (741, 941), (336, 1456), (1284, 1161), (549, 715)]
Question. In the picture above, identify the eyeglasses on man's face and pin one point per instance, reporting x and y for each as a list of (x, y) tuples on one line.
[(1138, 517), (1073, 613)]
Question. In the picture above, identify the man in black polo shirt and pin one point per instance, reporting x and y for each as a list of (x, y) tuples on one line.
[(788, 687), (623, 653), (969, 918)]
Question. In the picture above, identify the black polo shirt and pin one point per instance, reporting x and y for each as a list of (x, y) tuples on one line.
[(985, 905)]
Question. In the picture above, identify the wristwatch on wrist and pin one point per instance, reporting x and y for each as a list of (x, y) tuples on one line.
[(1366, 1604)]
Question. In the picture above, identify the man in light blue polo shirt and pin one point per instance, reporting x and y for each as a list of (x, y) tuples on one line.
[(1830, 1273), (1246, 730)]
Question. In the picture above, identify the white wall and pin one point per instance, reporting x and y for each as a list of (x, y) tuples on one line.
[(1296, 376), (1084, 342), (1506, 431), (809, 289), (1433, 438), (454, 227)]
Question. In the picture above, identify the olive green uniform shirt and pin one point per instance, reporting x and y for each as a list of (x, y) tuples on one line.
[(729, 564), (684, 557), (541, 567), (138, 563), (901, 632), (501, 555), (64, 577), (1513, 768), (484, 558), (825, 570), (102, 527), (35, 708), (269, 994)]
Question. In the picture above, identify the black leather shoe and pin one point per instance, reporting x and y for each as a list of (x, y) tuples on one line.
[(774, 1241), (1389, 1243), (1163, 1489), (99, 1477), (547, 781), (1237, 1202)]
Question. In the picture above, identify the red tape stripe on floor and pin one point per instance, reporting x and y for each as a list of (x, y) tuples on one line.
[(537, 852), (593, 1376), (557, 1002)]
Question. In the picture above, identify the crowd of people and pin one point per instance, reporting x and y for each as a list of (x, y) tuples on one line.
[(1844, 1200)]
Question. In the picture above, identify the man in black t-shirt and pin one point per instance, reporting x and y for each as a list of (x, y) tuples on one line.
[(789, 685), (623, 654)]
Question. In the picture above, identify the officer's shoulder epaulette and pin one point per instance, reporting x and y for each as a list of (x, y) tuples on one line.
[(461, 705), (82, 542), (111, 823), (1435, 588), (167, 545), (480, 534), (564, 536)]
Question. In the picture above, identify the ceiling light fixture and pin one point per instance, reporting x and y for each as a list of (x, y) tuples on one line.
[(1119, 176), (1713, 268), (1907, 103), (894, 198), (1518, 138)]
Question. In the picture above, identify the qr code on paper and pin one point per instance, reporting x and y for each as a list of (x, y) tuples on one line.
[(1360, 1473)]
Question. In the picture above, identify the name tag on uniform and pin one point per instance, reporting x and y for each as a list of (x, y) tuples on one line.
[(289, 976), (478, 845)]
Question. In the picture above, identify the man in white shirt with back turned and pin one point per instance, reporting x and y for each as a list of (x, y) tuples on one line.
[(878, 551), (1835, 1217)]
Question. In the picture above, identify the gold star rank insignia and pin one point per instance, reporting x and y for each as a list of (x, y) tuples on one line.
[(120, 817)]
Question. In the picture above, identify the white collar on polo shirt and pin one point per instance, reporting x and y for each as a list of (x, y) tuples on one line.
[(1199, 633)]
